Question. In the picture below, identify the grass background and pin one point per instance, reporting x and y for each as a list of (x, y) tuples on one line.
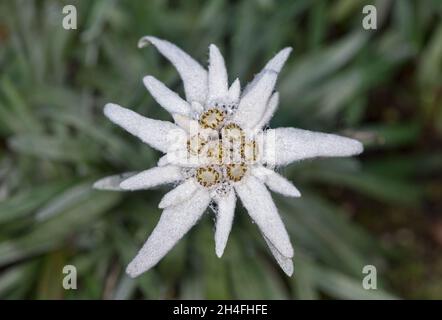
[(382, 208)]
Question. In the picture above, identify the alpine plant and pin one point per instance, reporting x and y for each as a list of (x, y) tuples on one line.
[(217, 149)]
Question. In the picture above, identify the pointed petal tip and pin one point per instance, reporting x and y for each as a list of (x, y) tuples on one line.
[(163, 204), (289, 272), (214, 50), (295, 194), (217, 76), (147, 80), (220, 247), (101, 184), (97, 185), (281, 57), (109, 107), (359, 147), (278, 61), (112, 183), (277, 183), (287, 266), (194, 76), (219, 252), (354, 147), (145, 41), (234, 91), (111, 110), (133, 271), (287, 50), (286, 263)]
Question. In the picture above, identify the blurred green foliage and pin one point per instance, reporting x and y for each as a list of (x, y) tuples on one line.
[(381, 86)]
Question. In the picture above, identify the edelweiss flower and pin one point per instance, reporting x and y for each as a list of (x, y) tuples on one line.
[(217, 149)]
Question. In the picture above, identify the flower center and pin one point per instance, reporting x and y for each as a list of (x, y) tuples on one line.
[(212, 119), (208, 176), (226, 155), (236, 172)]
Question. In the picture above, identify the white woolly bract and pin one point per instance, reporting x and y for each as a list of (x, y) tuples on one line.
[(152, 132), (275, 64), (285, 263), (174, 223), (112, 183), (185, 122), (218, 82), (234, 91), (261, 208), (276, 182), (224, 220), (269, 111), (194, 76), (197, 107), (151, 178), (165, 97), (252, 105), (290, 144), (251, 110), (181, 193)]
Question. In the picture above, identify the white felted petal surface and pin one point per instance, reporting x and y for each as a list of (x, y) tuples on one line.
[(252, 105), (261, 208), (112, 183), (165, 97), (234, 91), (163, 161), (194, 76), (180, 194), (174, 223), (278, 61), (290, 144), (276, 182), (279, 184), (185, 122), (153, 132), (285, 263), (197, 107), (152, 178), (182, 158), (275, 64), (218, 82), (224, 220), (272, 105)]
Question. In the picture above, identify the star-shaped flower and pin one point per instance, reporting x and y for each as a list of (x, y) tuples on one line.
[(217, 149)]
